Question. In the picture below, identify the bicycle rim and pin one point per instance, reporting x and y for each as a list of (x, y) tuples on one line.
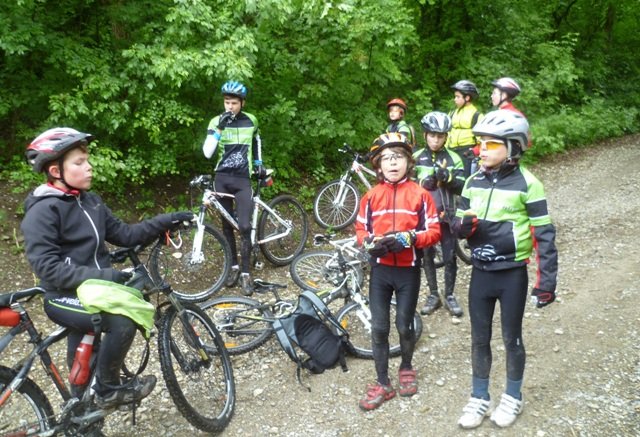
[(334, 213), (319, 270), (240, 322), (463, 250), (353, 320), (27, 411), (193, 278), (283, 250), (203, 390)]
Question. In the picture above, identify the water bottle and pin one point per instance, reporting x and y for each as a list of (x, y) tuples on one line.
[(80, 370)]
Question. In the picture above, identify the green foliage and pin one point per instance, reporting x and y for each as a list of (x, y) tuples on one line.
[(143, 76)]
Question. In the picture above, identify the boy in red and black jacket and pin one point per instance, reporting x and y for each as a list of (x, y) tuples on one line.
[(396, 221)]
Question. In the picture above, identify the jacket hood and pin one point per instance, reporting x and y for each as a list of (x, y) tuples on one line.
[(43, 191)]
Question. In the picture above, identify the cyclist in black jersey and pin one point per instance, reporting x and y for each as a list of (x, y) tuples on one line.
[(234, 137), (65, 228), (397, 110), (503, 213)]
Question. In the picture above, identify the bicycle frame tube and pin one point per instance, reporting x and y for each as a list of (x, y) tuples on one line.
[(361, 170), (258, 203)]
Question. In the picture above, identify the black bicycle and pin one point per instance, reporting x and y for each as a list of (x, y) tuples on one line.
[(194, 362)]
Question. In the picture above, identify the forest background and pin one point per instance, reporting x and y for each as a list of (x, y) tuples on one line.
[(144, 76)]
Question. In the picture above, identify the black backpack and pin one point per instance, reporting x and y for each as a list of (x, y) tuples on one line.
[(315, 330)]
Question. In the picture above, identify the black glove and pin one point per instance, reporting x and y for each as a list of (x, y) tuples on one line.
[(178, 218), (443, 175), (121, 277), (469, 224), (394, 245), (224, 119), (542, 298), (430, 183), (379, 248)]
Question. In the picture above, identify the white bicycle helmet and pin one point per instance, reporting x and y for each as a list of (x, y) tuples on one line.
[(508, 126)]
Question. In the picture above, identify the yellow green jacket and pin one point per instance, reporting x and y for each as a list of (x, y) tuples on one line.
[(462, 120)]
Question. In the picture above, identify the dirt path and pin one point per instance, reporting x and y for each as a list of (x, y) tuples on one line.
[(583, 352)]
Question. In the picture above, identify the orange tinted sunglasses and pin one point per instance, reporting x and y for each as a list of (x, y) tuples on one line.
[(492, 144)]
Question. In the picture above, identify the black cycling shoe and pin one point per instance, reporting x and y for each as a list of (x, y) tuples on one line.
[(232, 279), (246, 284), (433, 303), (134, 391), (452, 305)]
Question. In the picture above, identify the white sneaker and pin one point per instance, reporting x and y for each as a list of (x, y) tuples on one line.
[(474, 413), (508, 410)]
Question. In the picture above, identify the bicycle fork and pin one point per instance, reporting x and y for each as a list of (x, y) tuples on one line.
[(197, 255), (342, 190)]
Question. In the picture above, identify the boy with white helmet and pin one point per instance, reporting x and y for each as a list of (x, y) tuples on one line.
[(502, 213)]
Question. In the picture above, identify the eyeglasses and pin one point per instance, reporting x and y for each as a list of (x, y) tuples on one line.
[(389, 156), (492, 144)]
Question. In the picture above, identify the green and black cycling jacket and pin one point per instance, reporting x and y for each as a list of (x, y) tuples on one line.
[(512, 217), (239, 145)]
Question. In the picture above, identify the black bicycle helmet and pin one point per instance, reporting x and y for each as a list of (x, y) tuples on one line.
[(467, 88), (508, 126), (507, 85), (436, 121), (233, 88), (52, 144)]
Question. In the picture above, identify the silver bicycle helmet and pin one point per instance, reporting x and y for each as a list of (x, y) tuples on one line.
[(436, 121), (508, 126)]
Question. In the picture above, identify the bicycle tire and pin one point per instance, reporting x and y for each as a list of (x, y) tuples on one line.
[(282, 251), (193, 281), (27, 411), (463, 250), (208, 402), (318, 270), (360, 332), (327, 213), (240, 322)]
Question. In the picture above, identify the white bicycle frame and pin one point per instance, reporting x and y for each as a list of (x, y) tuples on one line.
[(210, 199), (360, 170)]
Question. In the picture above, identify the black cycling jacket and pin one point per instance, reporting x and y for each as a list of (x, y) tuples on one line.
[(65, 236)]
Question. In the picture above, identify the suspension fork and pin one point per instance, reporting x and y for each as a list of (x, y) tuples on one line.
[(197, 256), (342, 190)]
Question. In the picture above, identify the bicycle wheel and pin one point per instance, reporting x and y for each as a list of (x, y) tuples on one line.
[(319, 270), (240, 321), (463, 250), (202, 389), (27, 411), (283, 250), (193, 278), (334, 213), (358, 325)]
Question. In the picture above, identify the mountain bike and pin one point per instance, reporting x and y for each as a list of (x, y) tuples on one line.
[(320, 269), (246, 323), (336, 204), (195, 366), (199, 263)]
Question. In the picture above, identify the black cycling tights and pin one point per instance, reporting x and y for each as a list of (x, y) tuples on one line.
[(510, 288), (118, 334), (383, 281), (448, 245), (241, 189)]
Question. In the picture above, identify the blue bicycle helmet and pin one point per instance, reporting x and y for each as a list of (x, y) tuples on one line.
[(233, 88)]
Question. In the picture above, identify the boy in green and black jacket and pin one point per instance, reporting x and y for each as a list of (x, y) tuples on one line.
[(503, 214)]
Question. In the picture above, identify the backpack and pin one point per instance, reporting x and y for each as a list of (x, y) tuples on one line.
[(314, 329)]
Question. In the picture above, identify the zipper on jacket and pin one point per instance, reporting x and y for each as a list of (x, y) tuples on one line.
[(493, 185), (95, 230)]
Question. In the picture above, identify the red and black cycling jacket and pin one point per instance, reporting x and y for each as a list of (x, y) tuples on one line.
[(398, 207)]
